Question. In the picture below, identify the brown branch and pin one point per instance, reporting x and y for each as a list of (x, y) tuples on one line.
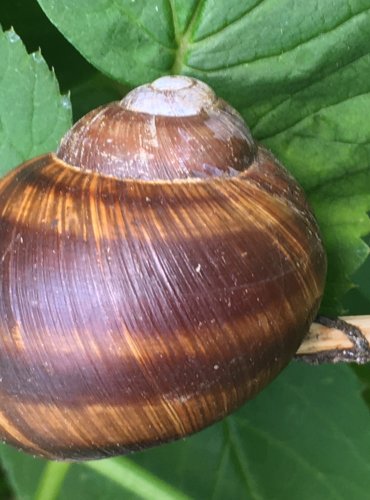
[(344, 339)]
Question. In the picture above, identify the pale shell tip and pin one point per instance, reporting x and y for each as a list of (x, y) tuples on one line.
[(170, 96)]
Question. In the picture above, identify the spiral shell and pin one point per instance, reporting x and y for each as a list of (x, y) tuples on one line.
[(134, 311)]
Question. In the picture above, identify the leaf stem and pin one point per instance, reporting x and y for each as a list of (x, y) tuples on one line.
[(183, 39), (51, 480), (135, 479), (345, 339)]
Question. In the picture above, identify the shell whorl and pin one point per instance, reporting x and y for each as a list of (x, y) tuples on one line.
[(173, 128), (135, 310)]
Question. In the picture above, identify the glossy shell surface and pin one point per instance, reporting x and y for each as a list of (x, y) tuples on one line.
[(134, 312)]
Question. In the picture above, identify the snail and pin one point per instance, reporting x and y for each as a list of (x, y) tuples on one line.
[(157, 271)]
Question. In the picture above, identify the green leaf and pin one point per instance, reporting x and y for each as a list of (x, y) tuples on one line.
[(358, 299), (33, 114), (306, 436), (88, 87), (342, 205), (5, 491), (134, 39), (119, 477), (94, 92), (298, 72), (35, 30)]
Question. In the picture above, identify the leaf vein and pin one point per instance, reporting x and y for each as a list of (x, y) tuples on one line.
[(309, 84), (220, 466), (336, 430), (290, 451), (313, 113), (183, 41), (337, 178), (243, 465), (199, 7), (281, 53), (231, 23), (140, 25)]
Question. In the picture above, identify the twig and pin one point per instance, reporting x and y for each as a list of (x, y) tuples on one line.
[(337, 340)]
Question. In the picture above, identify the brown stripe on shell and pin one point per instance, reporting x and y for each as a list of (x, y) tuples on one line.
[(214, 249), (205, 268), (215, 142), (145, 361), (14, 432), (48, 173), (105, 428), (188, 206), (205, 274)]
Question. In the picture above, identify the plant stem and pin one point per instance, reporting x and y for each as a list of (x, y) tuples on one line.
[(51, 480), (183, 39), (135, 479), (343, 339)]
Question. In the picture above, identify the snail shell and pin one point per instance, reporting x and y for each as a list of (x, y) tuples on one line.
[(155, 273)]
